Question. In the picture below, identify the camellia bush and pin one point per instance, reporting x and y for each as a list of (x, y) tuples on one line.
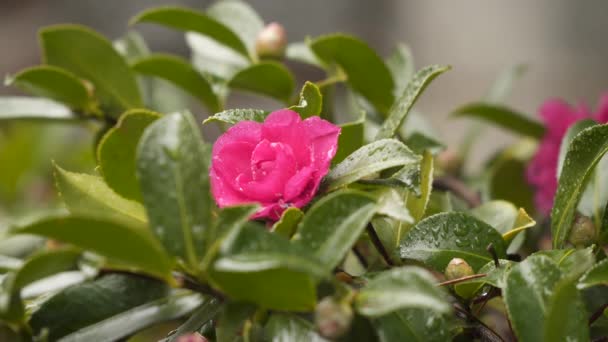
[(337, 215)]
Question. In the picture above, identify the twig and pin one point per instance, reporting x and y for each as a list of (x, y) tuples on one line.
[(378, 244), (492, 252), (456, 186), (597, 314), (360, 257), (484, 332), (461, 279), (189, 283)]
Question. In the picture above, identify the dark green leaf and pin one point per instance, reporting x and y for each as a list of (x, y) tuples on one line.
[(135, 246), (401, 288), (231, 321), (370, 159), (87, 194), (416, 325), (95, 60), (438, 239), (351, 138), (54, 83), (288, 223), (188, 20), (233, 116), (585, 151), (284, 327), (264, 268), (332, 225), (172, 173), (366, 72), (311, 101), (266, 78), (34, 108), (44, 264), (179, 72), (116, 152), (502, 117), (203, 314), (597, 275), (419, 143), (89, 303), (495, 276), (403, 105), (566, 315)]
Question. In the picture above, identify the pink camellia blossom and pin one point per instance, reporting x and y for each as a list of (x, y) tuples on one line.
[(558, 116), (278, 163)]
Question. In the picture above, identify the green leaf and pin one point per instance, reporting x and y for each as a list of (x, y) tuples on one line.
[(9, 263), (179, 72), (233, 116), (495, 276), (239, 17), (188, 20), (44, 264), (417, 204), (54, 83), (506, 219), (332, 225), (366, 72), (172, 173), (87, 194), (86, 304), (311, 101), (34, 108), (201, 316), (399, 110), (351, 138), (438, 239), (419, 325), (401, 288), (95, 60), (136, 247), (419, 143), (585, 151), (597, 275), (391, 204), (502, 117), (266, 78), (116, 152), (301, 52), (284, 327), (370, 159), (573, 265), (286, 226), (264, 268), (232, 318), (401, 65), (539, 304)]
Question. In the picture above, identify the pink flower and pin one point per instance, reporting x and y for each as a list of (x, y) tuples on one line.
[(278, 163), (558, 116)]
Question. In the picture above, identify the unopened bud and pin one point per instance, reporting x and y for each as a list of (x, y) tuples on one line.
[(196, 337), (583, 232), (449, 161), (458, 268), (333, 318), (271, 41)]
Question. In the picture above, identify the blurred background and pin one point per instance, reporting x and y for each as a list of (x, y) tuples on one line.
[(563, 44)]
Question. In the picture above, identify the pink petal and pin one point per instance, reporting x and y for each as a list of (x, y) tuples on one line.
[(223, 193), (285, 126), (244, 131), (298, 184), (602, 111), (324, 139)]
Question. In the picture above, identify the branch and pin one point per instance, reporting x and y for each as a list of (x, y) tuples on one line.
[(458, 188), (459, 280), (378, 244)]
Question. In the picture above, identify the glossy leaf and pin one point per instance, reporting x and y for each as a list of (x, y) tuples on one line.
[(366, 72), (95, 60), (189, 20), (391, 204), (86, 304), (495, 276), (399, 110), (264, 268), (116, 152), (370, 159), (585, 151), (284, 327), (438, 239), (351, 138), (419, 325), (34, 108), (311, 101), (54, 83), (204, 313), (180, 73), (401, 288), (233, 116), (502, 117), (136, 247), (417, 204), (172, 169), (266, 78), (288, 223), (332, 225), (597, 275), (572, 131), (87, 194)]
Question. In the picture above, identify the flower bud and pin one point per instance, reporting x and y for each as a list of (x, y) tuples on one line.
[(583, 232), (196, 337), (271, 41), (458, 268), (449, 161), (333, 318)]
